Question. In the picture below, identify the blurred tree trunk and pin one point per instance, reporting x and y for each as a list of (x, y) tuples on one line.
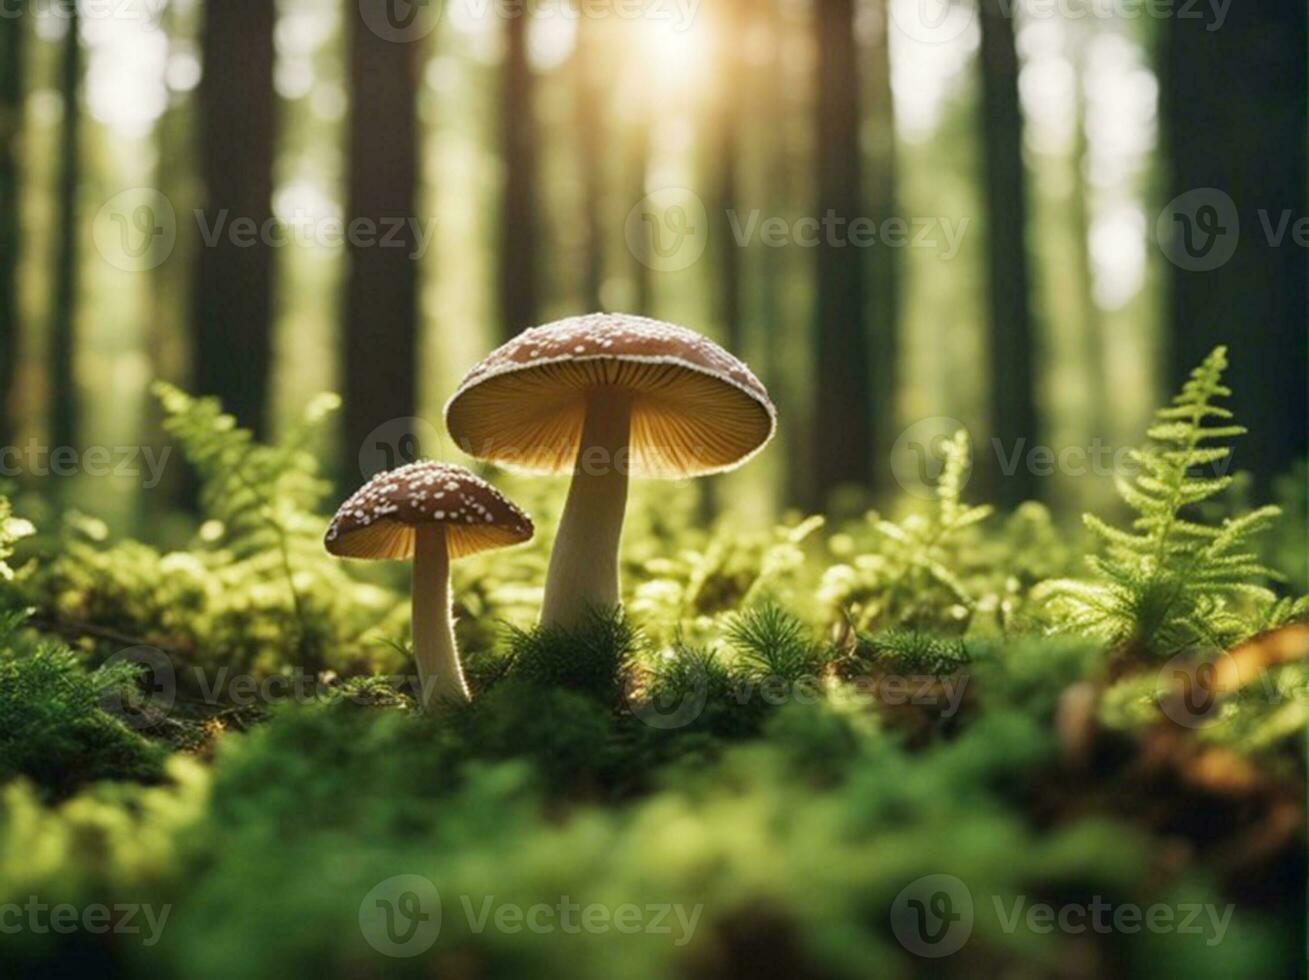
[(1094, 363), (1234, 119), (63, 325), (776, 114), (636, 168), (380, 353), (843, 424), (13, 43), (232, 350), (725, 140), (169, 298), (722, 140), (885, 268), (1009, 316), (518, 285), (589, 120)]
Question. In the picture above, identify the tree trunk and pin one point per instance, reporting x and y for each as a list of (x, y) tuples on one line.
[(165, 332), (13, 38), (232, 351), (843, 423), (1234, 117), (1094, 361), (637, 171), (885, 267), (1009, 317), (589, 119), (725, 140), (519, 289), (775, 91), (63, 326), (380, 349)]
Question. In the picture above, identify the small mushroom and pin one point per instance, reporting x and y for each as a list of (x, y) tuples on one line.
[(605, 396), (433, 513)]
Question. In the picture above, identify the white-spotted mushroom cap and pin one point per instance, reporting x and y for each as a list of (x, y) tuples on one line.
[(696, 409), (379, 521)]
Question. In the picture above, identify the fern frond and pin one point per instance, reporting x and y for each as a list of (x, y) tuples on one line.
[(1173, 581)]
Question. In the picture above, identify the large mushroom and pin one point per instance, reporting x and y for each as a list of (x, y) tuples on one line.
[(606, 396), (433, 513)]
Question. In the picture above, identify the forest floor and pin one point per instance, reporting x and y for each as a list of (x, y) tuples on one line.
[(928, 742)]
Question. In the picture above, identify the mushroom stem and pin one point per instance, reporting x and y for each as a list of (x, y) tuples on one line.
[(440, 676), (583, 573)]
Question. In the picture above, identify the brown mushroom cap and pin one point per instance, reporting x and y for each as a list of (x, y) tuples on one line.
[(696, 409), (378, 521)]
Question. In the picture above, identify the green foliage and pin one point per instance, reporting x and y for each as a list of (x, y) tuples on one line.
[(254, 594), (262, 498), (261, 494), (914, 572), (906, 651), (718, 746), (1173, 582), (12, 530), (54, 729), (776, 644), (594, 659)]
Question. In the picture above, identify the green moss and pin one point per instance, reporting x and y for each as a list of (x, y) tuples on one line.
[(749, 740), (54, 729)]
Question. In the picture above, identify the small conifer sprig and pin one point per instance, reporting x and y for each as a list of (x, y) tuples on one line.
[(1172, 582)]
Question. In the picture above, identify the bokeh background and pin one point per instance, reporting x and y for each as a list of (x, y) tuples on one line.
[(1058, 208)]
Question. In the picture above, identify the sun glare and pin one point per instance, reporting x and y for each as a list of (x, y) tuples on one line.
[(676, 52)]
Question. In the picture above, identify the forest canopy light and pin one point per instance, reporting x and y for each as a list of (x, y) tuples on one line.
[(434, 513), (606, 396)]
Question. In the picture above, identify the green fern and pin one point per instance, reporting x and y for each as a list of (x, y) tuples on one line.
[(1173, 582), (263, 498), (911, 576), (261, 494)]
